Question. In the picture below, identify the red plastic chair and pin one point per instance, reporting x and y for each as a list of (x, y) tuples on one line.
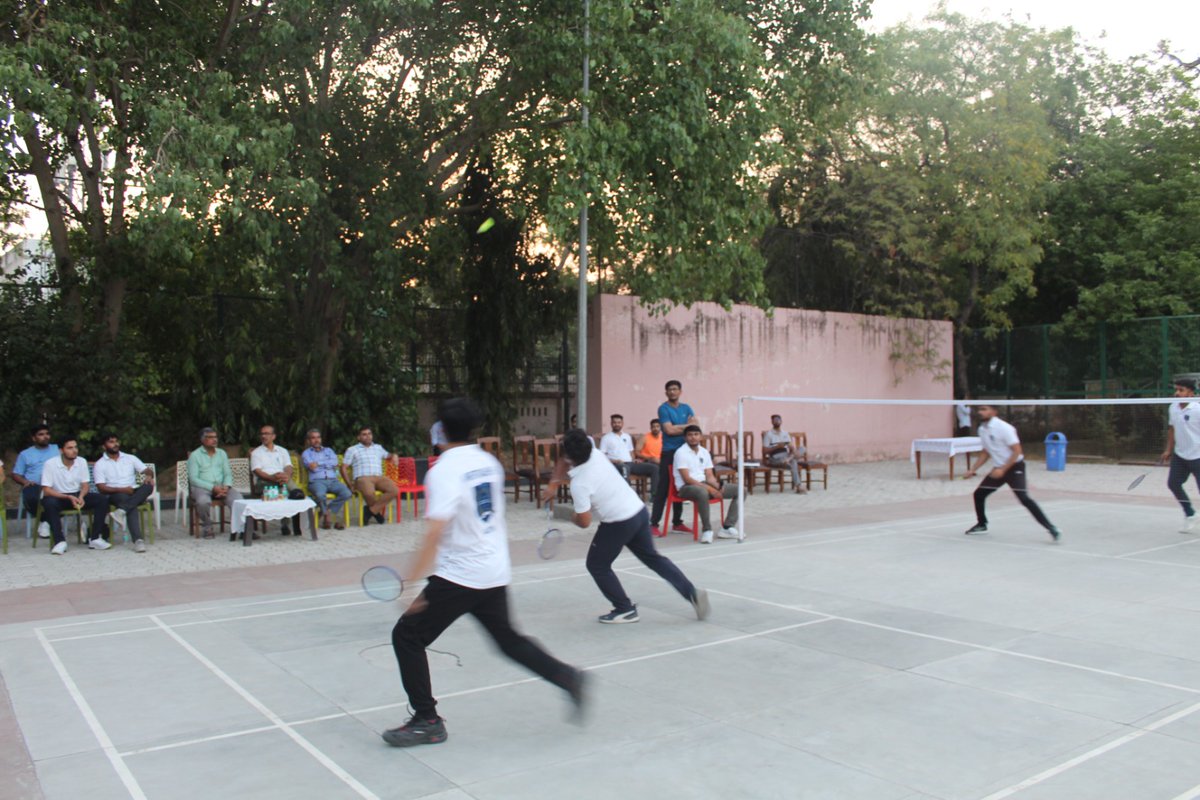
[(406, 482), (673, 498)]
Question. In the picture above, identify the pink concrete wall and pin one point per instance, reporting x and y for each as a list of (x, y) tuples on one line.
[(720, 355)]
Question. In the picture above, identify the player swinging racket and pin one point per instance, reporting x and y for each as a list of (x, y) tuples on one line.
[(467, 536), (597, 488), (1001, 444), (1183, 446)]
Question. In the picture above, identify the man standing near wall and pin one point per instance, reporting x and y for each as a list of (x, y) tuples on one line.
[(674, 416)]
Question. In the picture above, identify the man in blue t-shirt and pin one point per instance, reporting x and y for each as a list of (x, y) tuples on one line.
[(674, 416), (27, 472)]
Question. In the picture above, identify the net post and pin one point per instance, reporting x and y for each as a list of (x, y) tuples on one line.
[(741, 473)]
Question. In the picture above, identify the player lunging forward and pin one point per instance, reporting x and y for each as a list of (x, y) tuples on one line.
[(467, 536), (1003, 446), (1183, 446)]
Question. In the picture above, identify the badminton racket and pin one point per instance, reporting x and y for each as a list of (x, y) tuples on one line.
[(382, 583), (551, 541)]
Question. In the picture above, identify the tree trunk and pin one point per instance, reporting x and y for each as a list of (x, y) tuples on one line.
[(961, 379)]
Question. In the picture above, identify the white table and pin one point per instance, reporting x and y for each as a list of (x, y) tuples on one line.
[(267, 510), (950, 446)]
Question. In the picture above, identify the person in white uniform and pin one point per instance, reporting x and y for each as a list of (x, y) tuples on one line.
[(1002, 445), (466, 547), (1183, 446), (598, 488)]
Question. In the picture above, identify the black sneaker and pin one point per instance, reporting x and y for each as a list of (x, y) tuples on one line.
[(1055, 533), (417, 731), (379, 518), (615, 617), (575, 685), (977, 528)]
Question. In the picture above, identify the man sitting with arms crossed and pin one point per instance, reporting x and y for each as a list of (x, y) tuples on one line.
[(779, 451), (617, 447), (696, 481), (116, 476), (322, 465), (65, 486)]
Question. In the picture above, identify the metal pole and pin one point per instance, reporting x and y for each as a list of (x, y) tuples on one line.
[(581, 369), (741, 474)]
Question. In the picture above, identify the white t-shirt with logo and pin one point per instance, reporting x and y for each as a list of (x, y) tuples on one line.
[(998, 439), (694, 462), (617, 446), (62, 479), (597, 486), (1186, 422), (466, 488), (120, 473)]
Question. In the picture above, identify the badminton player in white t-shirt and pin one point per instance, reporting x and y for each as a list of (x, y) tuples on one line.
[(1003, 446), (597, 488), (1183, 446), (467, 537)]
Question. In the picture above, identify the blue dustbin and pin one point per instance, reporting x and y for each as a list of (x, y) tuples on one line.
[(1056, 452)]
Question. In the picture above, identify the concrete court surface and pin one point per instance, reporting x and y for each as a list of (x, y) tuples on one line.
[(872, 652)]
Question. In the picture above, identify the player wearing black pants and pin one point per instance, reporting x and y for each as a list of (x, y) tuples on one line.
[(1003, 447), (467, 538), (1183, 446)]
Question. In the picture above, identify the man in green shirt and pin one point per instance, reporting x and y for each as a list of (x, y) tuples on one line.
[(210, 479)]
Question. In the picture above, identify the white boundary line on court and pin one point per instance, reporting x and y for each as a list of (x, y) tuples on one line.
[(1190, 794), (324, 760), (106, 744), (1183, 543)]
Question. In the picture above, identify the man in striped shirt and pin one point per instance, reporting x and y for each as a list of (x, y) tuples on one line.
[(365, 461)]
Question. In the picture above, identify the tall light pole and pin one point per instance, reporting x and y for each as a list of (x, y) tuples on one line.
[(581, 369)]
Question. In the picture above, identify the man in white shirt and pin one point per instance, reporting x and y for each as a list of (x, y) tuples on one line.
[(1183, 446), (617, 447), (779, 451), (696, 481), (272, 465), (467, 537), (116, 475), (437, 437), (1003, 446), (65, 485), (962, 419), (597, 488)]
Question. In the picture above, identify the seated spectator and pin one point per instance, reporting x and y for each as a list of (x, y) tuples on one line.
[(650, 446), (65, 487), (322, 465), (365, 460), (210, 479), (271, 465), (437, 437), (779, 451), (617, 447), (696, 481), (116, 476), (27, 472)]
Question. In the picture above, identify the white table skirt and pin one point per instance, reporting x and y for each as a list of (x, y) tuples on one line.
[(950, 446), (268, 510)]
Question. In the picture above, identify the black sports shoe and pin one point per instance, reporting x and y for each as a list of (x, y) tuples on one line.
[(977, 528), (379, 518), (615, 617), (1055, 533), (575, 685), (417, 731)]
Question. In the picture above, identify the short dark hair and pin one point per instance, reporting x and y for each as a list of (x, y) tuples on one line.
[(616, 416), (62, 440), (104, 437), (206, 431), (655, 421), (362, 428), (267, 425), (673, 382), (691, 428), (460, 416), (36, 429), (577, 446)]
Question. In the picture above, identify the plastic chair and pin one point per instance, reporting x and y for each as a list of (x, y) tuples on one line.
[(524, 466), (673, 497), (406, 481), (357, 498), (801, 440)]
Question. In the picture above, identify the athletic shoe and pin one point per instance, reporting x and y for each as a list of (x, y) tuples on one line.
[(1055, 533), (700, 603), (1189, 524), (98, 544), (654, 531), (575, 685), (139, 546), (727, 533), (706, 537), (59, 548), (44, 530), (977, 528), (379, 518), (417, 731), (679, 527), (615, 617)]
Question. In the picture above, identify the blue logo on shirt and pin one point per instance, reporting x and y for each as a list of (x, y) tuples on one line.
[(483, 501)]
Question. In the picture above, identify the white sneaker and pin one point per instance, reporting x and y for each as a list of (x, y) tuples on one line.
[(59, 548), (44, 530), (727, 533), (706, 537), (1189, 524), (139, 546), (98, 544)]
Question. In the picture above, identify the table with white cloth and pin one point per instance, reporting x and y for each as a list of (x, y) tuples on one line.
[(949, 446), (267, 510)]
